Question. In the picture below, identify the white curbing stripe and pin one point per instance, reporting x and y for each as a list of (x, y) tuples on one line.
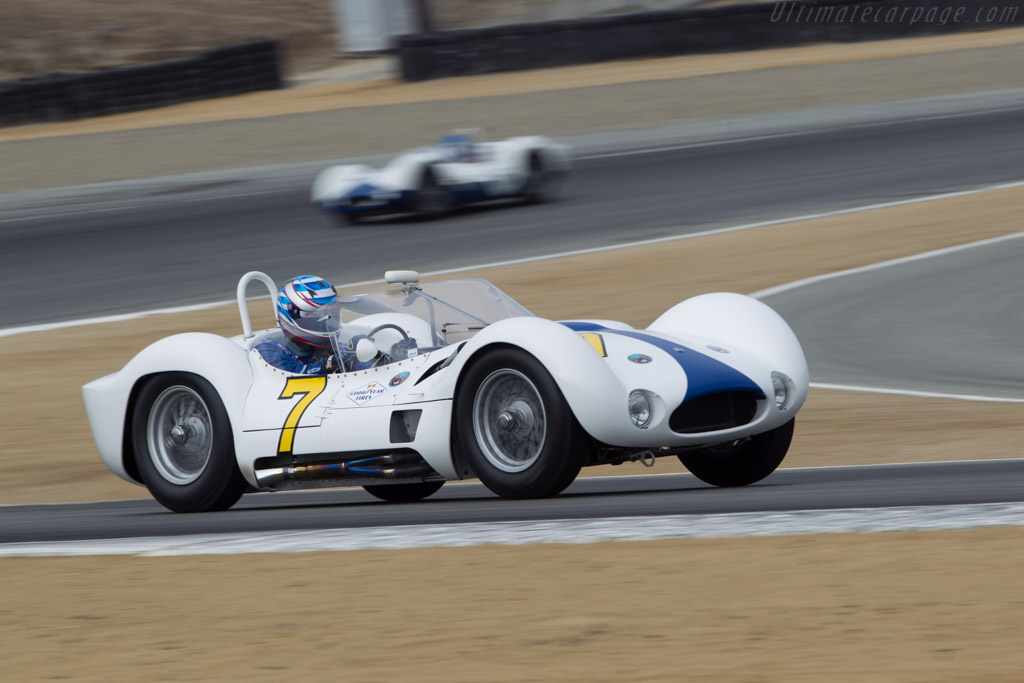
[(575, 531), (796, 284), (915, 394)]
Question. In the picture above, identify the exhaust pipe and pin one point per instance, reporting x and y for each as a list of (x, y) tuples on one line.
[(400, 466)]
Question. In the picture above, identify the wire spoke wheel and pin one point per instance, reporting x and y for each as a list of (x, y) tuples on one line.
[(509, 420), (515, 429), (180, 435), (183, 445)]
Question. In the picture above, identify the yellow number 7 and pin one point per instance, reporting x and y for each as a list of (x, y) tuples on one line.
[(306, 387)]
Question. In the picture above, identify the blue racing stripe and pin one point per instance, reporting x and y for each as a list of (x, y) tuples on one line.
[(577, 326), (704, 375)]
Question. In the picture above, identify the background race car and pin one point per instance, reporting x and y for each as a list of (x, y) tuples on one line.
[(454, 380), (431, 181)]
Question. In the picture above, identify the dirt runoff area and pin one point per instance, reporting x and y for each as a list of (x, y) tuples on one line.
[(893, 607)]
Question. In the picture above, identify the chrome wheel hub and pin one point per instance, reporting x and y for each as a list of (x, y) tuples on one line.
[(179, 434), (509, 420)]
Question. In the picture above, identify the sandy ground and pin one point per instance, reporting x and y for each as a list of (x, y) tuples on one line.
[(897, 607), (892, 608)]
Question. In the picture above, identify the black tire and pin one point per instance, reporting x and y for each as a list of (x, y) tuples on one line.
[(347, 220), (538, 448), (431, 200), (404, 493), (742, 464), (540, 182), (183, 445)]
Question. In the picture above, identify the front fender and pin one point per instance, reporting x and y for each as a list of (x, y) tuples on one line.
[(589, 386), (740, 322), (336, 181), (220, 361)]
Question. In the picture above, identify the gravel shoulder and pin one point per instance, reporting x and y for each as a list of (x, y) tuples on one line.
[(894, 607)]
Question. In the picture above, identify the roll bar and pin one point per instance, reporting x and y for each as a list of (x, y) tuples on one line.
[(243, 308)]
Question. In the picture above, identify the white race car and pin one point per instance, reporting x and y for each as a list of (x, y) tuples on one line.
[(430, 181), (464, 382)]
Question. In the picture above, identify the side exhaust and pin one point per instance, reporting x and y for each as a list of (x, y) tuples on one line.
[(389, 466)]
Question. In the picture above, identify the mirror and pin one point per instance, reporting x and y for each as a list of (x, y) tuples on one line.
[(403, 277), (366, 350)]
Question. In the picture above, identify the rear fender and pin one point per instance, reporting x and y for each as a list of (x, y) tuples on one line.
[(554, 155), (108, 400)]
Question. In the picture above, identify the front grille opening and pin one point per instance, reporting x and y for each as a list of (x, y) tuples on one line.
[(713, 412)]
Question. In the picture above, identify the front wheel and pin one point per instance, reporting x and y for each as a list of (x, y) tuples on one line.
[(541, 183), (184, 448), (743, 463), (431, 200), (515, 428), (347, 220), (404, 493)]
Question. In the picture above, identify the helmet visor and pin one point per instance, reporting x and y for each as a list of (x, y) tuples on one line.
[(323, 322)]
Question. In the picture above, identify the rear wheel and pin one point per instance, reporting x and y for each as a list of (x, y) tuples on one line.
[(740, 464), (404, 493), (183, 445), (515, 428)]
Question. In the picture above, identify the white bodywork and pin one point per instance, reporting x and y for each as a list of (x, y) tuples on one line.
[(707, 343), (473, 172)]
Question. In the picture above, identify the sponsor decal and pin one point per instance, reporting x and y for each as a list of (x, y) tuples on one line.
[(398, 379), (639, 358), (719, 349), (368, 393)]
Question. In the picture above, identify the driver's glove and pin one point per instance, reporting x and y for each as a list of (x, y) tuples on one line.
[(332, 364)]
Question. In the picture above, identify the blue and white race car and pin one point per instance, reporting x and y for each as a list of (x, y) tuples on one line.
[(455, 380), (431, 181)]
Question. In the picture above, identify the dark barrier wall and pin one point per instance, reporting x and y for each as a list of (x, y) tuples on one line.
[(722, 29), (219, 72)]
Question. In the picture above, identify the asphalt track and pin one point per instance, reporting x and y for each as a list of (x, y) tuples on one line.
[(189, 245), (588, 498), (951, 323)]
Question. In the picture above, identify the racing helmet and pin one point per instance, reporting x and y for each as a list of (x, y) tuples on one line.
[(308, 310)]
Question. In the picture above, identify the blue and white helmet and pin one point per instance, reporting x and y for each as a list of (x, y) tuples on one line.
[(308, 310)]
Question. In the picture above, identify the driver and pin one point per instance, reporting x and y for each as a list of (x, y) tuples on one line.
[(461, 147), (309, 315)]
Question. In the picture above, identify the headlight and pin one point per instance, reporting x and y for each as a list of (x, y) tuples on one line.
[(781, 385), (640, 409)]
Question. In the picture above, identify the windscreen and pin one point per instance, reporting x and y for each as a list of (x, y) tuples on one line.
[(455, 309)]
